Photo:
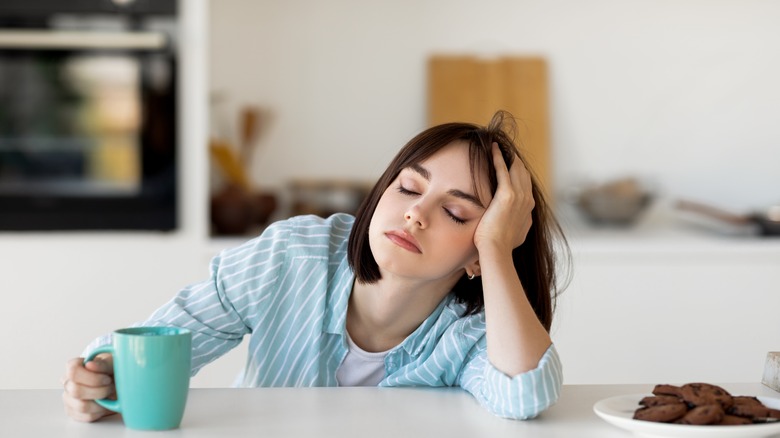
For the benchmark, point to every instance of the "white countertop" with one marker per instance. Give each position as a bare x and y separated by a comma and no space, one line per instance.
335,412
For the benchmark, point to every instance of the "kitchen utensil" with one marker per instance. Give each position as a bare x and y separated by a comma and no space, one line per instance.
767,222
229,162
619,202
231,210
470,88
250,118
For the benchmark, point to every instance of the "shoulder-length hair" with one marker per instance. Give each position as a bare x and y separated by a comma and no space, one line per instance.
534,260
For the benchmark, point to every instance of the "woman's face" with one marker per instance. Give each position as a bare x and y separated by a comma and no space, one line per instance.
423,226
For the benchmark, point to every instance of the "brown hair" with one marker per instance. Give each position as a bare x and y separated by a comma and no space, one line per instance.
534,260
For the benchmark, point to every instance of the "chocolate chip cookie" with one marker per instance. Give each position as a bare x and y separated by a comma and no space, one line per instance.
700,394
704,414
662,413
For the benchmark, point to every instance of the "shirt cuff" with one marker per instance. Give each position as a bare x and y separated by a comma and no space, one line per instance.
527,394
99,342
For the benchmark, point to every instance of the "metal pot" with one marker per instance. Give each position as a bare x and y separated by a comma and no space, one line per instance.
618,202
767,222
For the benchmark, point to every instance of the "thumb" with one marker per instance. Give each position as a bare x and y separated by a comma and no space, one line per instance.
102,363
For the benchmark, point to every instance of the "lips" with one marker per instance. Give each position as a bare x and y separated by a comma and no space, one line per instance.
404,240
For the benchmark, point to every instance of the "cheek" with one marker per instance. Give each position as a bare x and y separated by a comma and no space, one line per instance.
380,213
380,217
390,209
458,244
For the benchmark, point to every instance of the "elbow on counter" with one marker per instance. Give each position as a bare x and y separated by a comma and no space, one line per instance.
525,395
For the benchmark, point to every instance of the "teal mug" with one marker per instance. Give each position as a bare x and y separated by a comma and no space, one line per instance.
151,374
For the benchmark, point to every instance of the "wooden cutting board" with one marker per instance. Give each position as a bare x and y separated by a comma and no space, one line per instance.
471,89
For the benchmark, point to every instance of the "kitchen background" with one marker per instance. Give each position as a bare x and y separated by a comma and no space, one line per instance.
681,95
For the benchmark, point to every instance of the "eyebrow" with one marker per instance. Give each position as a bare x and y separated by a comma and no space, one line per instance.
423,172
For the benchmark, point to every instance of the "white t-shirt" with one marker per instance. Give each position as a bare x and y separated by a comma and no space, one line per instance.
360,367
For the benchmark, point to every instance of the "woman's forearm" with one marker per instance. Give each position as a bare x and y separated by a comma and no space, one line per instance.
516,339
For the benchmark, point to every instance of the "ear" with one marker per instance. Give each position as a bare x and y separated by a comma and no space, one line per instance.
473,268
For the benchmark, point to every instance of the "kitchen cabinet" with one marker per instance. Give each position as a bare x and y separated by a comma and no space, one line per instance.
668,305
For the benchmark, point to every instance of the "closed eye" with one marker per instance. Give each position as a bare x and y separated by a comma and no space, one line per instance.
402,190
454,218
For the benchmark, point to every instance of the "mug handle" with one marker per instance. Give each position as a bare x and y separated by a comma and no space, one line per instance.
112,405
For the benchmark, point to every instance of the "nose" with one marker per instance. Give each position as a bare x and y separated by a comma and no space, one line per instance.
416,216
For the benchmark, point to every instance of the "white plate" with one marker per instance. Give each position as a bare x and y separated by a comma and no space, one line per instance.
619,411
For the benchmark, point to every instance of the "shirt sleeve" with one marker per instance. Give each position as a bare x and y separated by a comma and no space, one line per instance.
521,397
220,310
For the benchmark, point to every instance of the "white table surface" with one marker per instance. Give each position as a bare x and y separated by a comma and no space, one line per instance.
335,412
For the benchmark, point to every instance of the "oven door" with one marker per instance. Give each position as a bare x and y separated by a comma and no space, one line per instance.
87,130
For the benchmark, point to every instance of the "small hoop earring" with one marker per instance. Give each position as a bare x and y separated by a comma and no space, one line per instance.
472,276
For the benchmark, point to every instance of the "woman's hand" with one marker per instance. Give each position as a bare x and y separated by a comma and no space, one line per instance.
507,219
85,383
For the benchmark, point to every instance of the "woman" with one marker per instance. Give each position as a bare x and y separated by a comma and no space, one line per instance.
445,277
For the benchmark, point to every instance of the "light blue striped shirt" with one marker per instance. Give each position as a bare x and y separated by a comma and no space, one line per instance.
288,290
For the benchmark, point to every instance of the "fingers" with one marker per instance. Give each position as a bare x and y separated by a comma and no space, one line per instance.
508,174
502,173
517,176
83,410
83,384
89,379
102,363
515,193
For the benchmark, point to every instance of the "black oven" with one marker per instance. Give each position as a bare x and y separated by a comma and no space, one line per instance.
88,117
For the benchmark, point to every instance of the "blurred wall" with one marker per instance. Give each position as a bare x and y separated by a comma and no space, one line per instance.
683,92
